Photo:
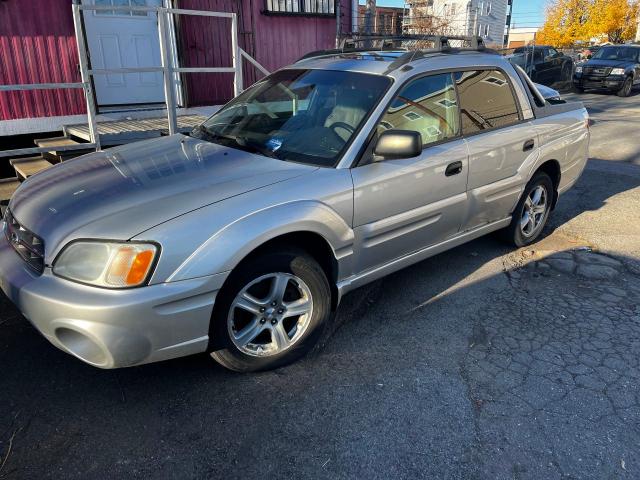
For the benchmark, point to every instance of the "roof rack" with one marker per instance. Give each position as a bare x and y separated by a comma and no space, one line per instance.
371,43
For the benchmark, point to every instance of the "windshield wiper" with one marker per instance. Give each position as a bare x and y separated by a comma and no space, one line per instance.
236,141
212,136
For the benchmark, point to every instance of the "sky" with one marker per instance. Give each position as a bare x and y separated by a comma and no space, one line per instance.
526,13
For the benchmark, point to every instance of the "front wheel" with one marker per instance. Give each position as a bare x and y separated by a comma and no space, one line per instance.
271,312
532,211
625,90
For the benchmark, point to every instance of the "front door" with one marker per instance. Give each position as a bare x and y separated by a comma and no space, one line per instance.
404,205
124,39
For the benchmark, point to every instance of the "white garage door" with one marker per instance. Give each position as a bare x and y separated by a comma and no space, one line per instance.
117,39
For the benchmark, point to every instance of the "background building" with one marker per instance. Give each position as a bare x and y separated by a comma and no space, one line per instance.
38,45
385,21
520,37
489,19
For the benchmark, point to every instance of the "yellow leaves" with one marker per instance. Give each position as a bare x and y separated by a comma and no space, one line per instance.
569,21
615,19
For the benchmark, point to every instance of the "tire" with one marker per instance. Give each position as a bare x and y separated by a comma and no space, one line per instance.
515,233
249,335
625,90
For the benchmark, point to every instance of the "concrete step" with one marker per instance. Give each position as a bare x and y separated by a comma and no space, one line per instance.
7,187
25,167
56,154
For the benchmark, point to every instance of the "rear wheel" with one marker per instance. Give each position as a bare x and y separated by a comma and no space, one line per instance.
271,312
625,90
532,211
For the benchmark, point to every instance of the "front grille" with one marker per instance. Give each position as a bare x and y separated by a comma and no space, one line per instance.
28,245
597,71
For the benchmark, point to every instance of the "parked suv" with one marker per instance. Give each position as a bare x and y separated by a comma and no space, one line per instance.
613,67
544,64
241,239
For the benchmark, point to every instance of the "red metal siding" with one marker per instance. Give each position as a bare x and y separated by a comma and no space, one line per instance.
37,45
281,40
206,42
274,41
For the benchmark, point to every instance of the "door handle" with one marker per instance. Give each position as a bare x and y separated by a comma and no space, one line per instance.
453,169
528,145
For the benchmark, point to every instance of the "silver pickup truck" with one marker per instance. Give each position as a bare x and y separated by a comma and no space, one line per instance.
240,239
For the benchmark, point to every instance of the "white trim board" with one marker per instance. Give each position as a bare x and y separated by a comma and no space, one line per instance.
23,126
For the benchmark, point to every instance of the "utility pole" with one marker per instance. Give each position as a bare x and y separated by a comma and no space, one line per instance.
475,20
338,22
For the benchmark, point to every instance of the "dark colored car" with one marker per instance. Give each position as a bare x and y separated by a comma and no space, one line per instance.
543,64
615,68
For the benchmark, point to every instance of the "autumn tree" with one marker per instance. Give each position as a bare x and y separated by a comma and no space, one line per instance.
570,21
565,22
615,19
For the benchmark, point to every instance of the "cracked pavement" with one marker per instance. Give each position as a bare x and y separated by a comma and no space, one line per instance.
480,363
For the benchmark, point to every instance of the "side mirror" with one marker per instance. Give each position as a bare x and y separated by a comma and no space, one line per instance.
394,144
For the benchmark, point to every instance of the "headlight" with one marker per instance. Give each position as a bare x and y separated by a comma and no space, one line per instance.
578,69
617,71
106,264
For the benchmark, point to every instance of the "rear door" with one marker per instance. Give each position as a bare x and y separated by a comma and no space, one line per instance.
499,144
401,206
543,65
555,60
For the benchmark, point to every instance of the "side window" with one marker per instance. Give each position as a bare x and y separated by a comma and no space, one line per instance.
486,100
427,105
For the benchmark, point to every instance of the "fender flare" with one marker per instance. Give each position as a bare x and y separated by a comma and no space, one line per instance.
229,245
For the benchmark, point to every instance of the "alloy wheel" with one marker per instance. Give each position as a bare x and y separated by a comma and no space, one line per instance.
534,211
270,314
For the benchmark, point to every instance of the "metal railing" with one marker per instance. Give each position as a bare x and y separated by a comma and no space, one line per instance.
167,68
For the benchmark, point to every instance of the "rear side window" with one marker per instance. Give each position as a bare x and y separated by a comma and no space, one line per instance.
486,100
427,105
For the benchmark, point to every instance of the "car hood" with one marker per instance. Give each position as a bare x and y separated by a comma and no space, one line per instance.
607,63
547,92
121,192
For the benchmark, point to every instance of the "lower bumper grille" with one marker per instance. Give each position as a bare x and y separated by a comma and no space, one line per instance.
597,71
28,245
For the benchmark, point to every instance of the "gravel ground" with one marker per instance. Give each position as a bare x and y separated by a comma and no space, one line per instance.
482,362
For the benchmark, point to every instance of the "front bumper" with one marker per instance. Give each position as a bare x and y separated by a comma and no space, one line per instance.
112,328
611,82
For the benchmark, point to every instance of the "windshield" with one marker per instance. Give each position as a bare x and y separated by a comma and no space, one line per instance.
617,53
307,116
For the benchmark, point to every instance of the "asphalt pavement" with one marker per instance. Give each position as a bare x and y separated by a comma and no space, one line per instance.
483,363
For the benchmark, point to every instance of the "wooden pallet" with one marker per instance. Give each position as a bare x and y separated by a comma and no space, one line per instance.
56,155
25,167
126,131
